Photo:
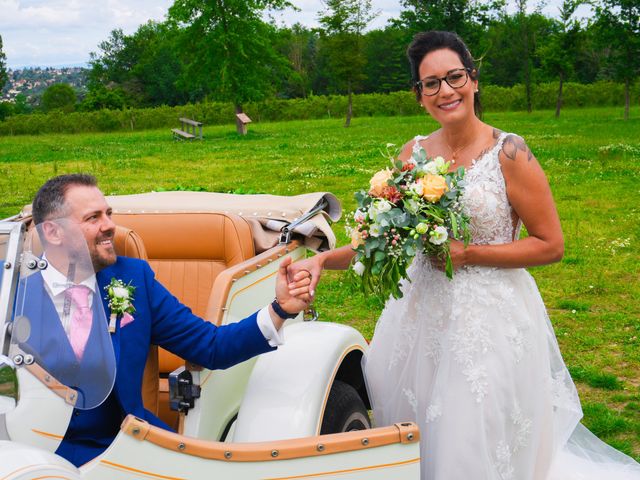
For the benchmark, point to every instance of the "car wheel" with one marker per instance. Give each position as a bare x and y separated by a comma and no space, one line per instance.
345,410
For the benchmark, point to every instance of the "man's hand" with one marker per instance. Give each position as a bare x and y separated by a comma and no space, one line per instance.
292,293
313,266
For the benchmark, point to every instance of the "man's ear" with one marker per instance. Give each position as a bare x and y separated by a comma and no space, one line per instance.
52,232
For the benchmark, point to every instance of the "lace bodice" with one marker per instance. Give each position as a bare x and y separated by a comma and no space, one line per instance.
485,198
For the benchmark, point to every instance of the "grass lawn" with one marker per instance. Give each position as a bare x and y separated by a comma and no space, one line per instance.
591,157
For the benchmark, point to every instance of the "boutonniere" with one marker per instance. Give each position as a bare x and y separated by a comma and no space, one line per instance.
120,298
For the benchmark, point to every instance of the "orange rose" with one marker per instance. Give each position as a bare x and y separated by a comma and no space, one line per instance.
356,238
433,187
379,182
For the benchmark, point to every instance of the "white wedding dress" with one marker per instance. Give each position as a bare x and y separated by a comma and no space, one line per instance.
475,363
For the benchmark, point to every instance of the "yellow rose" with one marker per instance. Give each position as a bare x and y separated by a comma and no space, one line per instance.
356,238
433,187
379,181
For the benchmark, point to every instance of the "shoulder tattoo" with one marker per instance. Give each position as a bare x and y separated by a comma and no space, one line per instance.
512,144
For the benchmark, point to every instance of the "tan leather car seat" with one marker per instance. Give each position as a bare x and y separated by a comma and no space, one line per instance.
187,251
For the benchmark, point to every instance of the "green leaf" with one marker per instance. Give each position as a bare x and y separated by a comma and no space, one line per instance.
454,224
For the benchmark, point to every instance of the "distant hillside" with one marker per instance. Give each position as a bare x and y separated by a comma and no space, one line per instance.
32,82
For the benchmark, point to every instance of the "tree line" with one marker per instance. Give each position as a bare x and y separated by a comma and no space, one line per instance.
224,50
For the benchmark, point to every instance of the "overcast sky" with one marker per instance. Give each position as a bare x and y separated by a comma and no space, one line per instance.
63,32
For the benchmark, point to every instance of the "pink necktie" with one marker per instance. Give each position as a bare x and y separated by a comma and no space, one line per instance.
81,319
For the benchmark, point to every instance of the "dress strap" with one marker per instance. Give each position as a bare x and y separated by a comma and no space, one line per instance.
416,143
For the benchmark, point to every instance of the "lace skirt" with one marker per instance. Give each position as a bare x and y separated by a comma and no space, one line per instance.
475,363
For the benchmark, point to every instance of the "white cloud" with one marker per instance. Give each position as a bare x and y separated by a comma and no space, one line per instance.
57,32
62,32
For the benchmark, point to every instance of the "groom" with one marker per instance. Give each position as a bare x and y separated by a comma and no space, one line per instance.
159,318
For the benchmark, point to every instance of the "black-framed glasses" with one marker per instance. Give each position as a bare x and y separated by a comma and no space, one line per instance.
457,78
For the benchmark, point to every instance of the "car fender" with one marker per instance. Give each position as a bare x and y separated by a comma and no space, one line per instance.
288,388
24,462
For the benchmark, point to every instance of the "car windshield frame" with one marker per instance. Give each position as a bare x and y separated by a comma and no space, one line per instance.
11,241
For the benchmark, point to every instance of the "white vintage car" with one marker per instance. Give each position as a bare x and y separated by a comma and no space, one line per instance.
298,412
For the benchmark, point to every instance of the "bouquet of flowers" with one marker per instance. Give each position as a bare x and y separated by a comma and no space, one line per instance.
412,206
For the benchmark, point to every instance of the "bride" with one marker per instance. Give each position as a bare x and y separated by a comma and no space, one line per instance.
474,361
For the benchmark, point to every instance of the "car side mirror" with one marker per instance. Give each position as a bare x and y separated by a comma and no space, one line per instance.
8,385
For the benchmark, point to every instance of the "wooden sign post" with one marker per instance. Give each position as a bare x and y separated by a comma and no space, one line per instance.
242,123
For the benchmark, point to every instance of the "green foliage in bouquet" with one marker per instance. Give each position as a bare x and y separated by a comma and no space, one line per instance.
414,206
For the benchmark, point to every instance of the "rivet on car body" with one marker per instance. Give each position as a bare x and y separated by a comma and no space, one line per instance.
47,378
320,447
135,431
18,359
227,455
247,272
409,436
365,441
274,453
7,265
181,446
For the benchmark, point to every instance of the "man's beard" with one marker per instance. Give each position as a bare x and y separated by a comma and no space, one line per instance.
103,260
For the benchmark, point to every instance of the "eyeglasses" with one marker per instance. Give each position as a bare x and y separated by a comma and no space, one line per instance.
457,78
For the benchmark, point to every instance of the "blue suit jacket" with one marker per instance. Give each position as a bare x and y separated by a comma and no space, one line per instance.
159,319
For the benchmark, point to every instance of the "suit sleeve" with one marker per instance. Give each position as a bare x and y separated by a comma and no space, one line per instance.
175,328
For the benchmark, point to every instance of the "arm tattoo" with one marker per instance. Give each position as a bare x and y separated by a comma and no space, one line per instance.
512,144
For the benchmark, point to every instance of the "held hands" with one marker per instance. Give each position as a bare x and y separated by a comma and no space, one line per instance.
292,291
313,266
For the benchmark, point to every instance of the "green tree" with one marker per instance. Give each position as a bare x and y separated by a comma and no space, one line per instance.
3,67
388,72
59,96
560,52
618,24
468,18
299,45
343,22
229,48
142,69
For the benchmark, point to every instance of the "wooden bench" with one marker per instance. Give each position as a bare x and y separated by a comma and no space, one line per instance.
188,130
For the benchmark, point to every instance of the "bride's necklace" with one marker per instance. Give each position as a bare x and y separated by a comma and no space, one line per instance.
454,153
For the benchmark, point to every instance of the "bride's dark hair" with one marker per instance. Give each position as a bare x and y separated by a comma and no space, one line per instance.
427,42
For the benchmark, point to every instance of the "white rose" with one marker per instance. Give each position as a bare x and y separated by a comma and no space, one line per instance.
358,267
438,235
372,212
382,206
441,165
120,292
431,168
416,188
374,230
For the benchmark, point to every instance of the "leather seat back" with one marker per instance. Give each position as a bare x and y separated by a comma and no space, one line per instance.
187,251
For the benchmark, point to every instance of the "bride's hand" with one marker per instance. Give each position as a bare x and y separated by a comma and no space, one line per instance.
313,265
458,256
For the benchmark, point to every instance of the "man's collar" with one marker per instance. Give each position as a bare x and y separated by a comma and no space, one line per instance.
57,283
